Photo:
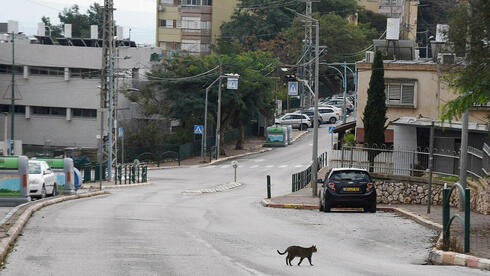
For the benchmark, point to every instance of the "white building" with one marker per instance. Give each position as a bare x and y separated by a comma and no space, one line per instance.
57,88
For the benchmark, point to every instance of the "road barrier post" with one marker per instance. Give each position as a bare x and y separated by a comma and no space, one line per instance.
268,186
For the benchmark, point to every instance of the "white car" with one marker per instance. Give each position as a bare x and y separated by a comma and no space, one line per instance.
42,180
328,114
300,121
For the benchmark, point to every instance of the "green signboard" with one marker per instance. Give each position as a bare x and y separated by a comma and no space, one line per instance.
54,163
9,163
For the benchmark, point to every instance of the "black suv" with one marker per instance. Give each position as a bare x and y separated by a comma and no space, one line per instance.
348,187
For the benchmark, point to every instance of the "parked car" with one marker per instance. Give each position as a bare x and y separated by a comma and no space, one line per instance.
348,187
327,114
311,114
42,180
300,121
339,103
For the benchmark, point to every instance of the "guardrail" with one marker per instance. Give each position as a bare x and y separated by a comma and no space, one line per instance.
131,174
302,179
124,174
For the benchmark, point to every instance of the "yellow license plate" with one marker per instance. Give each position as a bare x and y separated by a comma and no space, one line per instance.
351,189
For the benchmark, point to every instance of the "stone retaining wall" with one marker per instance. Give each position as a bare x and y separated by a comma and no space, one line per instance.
414,190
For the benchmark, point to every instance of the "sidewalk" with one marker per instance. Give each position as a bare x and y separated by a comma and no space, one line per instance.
250,146
479,229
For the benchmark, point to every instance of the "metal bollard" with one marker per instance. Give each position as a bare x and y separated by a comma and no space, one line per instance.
268,186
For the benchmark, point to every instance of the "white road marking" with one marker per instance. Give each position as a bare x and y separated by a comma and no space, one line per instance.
224,167
269,166
254,166
283,166
298,166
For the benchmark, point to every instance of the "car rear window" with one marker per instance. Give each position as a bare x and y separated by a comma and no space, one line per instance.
350,175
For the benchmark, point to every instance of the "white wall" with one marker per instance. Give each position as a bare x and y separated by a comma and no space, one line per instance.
404,142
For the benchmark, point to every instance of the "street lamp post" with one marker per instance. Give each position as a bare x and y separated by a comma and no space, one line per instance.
204,135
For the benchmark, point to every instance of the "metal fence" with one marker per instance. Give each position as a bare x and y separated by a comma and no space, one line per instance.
124,174
409,162
303,178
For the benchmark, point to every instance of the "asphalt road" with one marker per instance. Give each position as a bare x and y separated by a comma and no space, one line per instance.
160,230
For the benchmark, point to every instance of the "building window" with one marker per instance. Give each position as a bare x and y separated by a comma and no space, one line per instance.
5,108
167,2
57,111
44,110
86,113
40,110
8,69
400,92
163,23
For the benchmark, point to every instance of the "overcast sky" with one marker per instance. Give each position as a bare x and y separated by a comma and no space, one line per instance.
139,15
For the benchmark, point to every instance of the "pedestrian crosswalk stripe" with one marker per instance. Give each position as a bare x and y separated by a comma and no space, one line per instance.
254,166
283,166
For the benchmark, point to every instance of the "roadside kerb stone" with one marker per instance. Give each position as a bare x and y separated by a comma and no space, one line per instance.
238,156
268,203
95,186
215,189
14,231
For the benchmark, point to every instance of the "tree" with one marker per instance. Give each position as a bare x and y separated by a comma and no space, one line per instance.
374,116
53,30
184,100
469,32
373,20
80,22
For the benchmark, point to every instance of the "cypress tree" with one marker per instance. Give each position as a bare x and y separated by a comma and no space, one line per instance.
374,116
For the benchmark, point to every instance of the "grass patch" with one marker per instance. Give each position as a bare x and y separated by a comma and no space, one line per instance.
451,178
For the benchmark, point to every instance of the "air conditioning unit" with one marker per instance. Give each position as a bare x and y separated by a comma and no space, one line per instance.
160,8
369,56
446,58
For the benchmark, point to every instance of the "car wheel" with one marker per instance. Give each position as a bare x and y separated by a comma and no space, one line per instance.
372,208
320,122
321,206
43,192
304,127
333,120
326,208
55,190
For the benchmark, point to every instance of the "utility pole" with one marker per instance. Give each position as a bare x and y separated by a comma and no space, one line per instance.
218,122
107,52
12,101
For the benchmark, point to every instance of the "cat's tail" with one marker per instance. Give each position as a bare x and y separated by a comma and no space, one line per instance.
282,252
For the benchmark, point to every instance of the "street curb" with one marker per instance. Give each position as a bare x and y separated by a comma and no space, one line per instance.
14,231
119,186
436,256
215,189
268,203
301,135
238,156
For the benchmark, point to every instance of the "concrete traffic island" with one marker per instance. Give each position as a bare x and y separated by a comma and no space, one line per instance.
303,199
15,221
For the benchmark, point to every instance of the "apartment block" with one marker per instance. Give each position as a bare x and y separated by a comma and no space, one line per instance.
191,25
57,88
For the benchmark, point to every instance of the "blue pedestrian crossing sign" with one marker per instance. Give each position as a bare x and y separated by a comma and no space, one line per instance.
198,129
293,88
331,129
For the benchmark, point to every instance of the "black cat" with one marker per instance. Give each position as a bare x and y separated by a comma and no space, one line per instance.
298,251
